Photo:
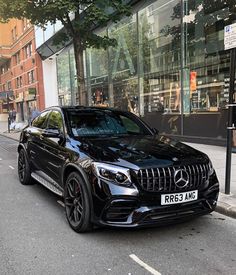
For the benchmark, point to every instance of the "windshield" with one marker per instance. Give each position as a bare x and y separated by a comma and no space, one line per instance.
104,122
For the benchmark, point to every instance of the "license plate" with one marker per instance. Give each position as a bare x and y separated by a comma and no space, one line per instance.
175,198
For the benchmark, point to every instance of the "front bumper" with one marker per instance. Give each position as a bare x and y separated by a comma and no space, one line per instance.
132,208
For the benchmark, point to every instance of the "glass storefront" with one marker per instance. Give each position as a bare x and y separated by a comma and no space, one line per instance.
160,52
66,77
208,64
169,67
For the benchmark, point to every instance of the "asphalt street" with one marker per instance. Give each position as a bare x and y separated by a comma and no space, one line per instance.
36,239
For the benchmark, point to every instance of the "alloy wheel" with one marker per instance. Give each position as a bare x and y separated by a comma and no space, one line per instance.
21,166
74,202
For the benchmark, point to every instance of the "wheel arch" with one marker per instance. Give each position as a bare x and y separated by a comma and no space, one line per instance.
75,168
22,146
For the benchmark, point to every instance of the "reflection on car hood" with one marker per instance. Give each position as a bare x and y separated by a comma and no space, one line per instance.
141,151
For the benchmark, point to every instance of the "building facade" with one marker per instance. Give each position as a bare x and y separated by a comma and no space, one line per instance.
169,67
21,79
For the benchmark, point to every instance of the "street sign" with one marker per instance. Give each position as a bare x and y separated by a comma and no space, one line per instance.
230,36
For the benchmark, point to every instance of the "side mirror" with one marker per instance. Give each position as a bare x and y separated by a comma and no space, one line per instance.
52,133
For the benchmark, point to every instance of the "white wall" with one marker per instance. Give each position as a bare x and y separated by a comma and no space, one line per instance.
50,82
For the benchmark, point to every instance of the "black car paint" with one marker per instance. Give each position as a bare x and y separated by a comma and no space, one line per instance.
56,158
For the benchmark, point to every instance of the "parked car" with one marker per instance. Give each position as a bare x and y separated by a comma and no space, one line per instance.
112,169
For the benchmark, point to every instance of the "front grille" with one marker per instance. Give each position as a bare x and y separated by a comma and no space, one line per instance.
162,179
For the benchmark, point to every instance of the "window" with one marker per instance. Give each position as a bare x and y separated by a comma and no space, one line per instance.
8,66
14,34
55,121
106,123
17,57
31,78
28,50
130,125
17,82
9,85
40,121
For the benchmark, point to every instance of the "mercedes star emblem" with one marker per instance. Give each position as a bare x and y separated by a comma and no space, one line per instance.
181,178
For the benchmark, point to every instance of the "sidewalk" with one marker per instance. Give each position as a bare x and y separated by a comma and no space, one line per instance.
226,204
14,134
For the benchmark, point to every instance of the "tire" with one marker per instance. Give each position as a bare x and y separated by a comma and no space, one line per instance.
24,172
77,205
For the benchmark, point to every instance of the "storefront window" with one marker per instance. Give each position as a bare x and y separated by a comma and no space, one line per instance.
206,59
64,78
123,65
208,66
169,66
73,78
160,44
98,75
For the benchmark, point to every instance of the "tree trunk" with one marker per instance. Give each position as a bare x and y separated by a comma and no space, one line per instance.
81,99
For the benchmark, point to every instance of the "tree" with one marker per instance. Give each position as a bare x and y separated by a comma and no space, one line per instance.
79,18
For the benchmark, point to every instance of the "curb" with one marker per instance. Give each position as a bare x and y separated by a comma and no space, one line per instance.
226,209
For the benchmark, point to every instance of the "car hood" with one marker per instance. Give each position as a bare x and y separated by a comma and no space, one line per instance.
141,151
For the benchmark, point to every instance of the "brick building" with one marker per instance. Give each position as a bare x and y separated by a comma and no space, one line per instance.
21,77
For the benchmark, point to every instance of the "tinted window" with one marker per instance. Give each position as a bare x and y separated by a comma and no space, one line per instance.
97,123
130,125
55,121
40,121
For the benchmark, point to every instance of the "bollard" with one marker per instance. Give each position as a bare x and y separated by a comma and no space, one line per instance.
9,123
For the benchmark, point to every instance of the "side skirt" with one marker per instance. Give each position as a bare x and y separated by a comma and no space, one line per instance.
54,187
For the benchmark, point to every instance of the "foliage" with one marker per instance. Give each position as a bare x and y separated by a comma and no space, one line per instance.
41,12
79,18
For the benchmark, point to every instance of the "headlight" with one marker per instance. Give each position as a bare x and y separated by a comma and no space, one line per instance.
113,173
211,169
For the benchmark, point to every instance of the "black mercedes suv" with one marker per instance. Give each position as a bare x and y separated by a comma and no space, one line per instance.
112,169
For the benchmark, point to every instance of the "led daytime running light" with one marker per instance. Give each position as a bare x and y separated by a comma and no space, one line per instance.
114,173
